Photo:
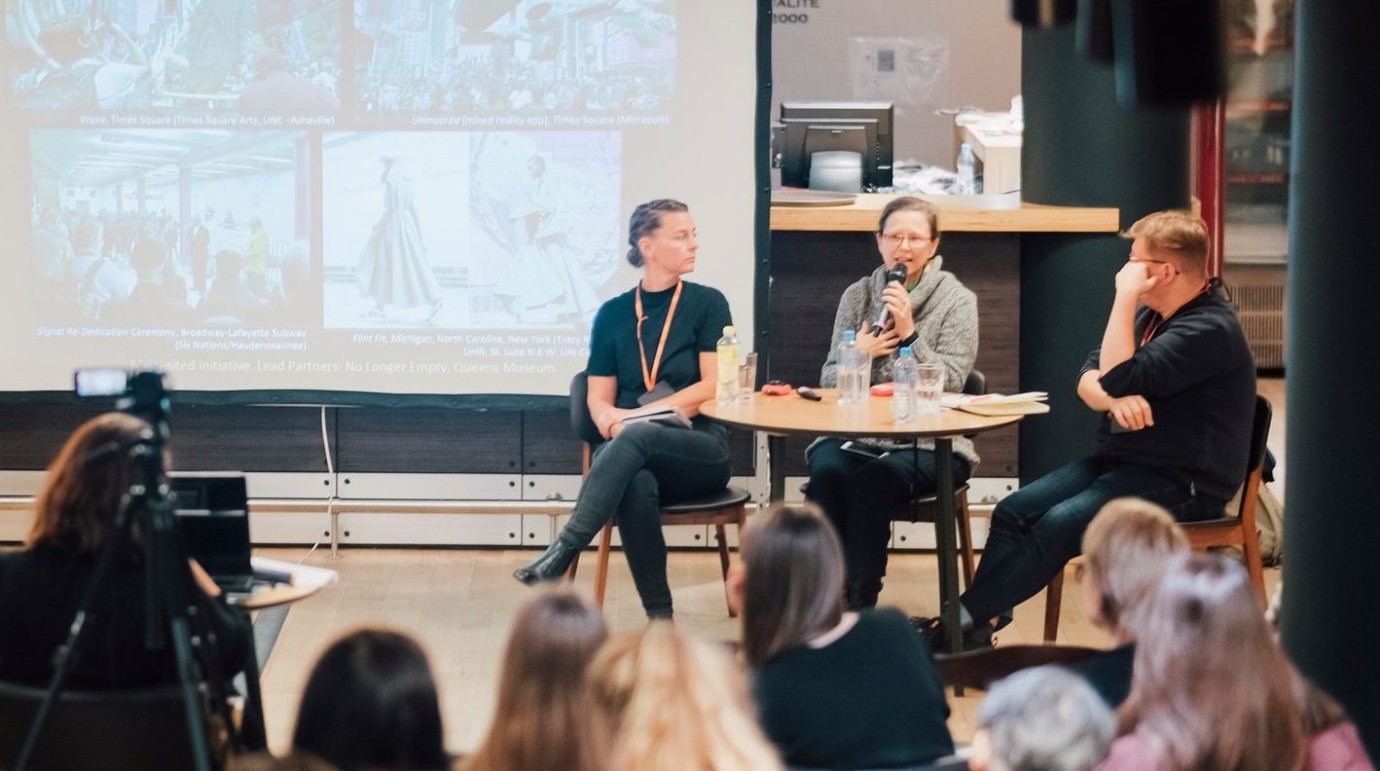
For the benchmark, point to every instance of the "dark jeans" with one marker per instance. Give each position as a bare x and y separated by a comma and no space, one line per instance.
1039,528
860,495
629,477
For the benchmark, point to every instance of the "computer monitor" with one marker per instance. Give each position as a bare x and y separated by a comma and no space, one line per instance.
812,127
213,515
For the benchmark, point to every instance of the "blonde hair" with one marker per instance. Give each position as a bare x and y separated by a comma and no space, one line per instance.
1127,548
1210,688
540,721
794,569
672,703
1175,233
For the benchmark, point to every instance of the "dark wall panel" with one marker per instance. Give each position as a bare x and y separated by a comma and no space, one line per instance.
423,441
288,439
32,434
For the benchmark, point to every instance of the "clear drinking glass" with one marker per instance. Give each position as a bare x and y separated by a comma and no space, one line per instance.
931,388
747,378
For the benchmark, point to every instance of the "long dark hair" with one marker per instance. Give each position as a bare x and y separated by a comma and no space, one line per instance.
86,482
645,219
793,580
371,704
542,717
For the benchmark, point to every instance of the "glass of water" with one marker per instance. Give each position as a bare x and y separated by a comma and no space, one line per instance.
931,387
747,378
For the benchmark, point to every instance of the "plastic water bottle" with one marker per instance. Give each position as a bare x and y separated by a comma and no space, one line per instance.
906,375
967,170
847,372
727,349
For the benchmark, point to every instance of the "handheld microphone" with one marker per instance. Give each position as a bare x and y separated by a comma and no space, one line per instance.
895,273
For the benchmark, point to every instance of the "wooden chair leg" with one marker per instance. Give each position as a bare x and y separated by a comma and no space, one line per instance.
601,570
1054,597
1250,537
573,569
965,540
723,565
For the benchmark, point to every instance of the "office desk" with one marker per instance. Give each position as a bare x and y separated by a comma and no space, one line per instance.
780,416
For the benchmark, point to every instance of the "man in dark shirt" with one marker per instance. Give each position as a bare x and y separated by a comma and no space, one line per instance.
1175,376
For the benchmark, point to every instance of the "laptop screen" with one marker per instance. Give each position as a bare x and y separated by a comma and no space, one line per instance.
213,513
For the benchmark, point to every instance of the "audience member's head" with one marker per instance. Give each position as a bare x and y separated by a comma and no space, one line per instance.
1126,550
789,585
1042,719
148,257
671,702
1211,688
371,703
229,266
77,507
541,720
1176,236
263,761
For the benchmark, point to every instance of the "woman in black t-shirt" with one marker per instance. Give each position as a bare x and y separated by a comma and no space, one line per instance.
651,346
834,688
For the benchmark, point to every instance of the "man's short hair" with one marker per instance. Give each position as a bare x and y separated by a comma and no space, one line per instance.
1175,233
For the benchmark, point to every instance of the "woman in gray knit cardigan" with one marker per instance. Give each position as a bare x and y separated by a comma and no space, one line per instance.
936,316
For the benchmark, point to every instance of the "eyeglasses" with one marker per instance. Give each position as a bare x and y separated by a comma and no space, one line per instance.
894,240
1132,258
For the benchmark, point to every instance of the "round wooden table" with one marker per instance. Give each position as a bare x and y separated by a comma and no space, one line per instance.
780,416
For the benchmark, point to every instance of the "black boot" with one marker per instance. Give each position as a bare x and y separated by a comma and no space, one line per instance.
550,566
862,594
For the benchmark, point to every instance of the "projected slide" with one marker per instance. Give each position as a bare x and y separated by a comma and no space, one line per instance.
386,196
169,228
505,58
461,230
184,59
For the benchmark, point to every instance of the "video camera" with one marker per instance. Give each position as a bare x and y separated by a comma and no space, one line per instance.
141,393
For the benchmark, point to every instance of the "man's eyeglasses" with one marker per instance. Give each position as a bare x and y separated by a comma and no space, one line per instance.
1132,258
896,239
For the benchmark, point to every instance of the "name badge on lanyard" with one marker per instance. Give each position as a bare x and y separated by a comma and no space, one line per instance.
649,374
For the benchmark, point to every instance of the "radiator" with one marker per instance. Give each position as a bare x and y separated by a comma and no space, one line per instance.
1258,294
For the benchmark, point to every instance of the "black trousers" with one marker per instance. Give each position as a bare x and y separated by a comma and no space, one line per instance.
860,495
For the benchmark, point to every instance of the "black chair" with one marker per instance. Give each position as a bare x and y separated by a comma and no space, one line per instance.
720,509
984,666
1239,530
109,730
926,507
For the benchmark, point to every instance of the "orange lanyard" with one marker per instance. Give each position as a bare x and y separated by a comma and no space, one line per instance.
649,375
1151,329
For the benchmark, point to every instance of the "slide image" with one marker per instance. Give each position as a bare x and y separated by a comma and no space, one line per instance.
236,57
506,56
496,230
171,228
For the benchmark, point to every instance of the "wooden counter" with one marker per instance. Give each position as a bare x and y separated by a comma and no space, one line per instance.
957,214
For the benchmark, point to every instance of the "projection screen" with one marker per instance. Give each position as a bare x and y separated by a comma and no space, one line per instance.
383,196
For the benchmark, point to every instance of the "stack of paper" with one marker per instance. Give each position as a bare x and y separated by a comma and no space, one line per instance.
1028,403
279,571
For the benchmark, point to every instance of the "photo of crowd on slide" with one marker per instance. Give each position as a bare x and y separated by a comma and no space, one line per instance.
184,57
497,230
167,229
505,56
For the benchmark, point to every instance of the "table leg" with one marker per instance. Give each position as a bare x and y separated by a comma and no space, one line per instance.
946,529
776,463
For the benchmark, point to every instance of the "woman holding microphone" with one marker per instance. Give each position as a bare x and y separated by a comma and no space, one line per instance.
933,314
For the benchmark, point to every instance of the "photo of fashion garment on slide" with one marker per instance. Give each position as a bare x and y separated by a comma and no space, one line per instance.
935,315
651,346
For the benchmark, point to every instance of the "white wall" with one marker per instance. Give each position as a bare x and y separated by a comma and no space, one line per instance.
947,54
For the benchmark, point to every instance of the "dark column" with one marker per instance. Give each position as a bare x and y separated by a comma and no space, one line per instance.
1330,619
1081,149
